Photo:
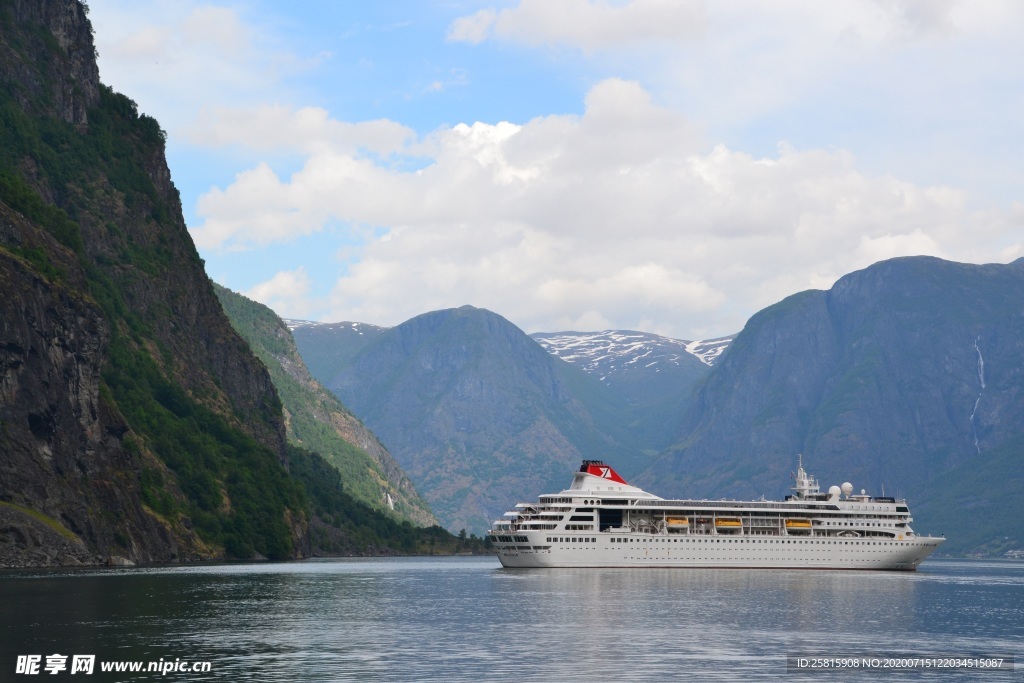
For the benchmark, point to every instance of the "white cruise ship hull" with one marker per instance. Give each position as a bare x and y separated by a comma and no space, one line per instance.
644,550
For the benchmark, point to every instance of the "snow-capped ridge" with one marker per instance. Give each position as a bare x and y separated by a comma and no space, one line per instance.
606,352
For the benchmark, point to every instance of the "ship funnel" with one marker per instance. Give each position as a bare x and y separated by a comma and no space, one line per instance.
597,468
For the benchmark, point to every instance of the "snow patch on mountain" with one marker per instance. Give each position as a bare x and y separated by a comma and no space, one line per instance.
708,350
355,327
606,352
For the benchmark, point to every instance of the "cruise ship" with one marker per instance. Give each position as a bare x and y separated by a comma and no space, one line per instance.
601,521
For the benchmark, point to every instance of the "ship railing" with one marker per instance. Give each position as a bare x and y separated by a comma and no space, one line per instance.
738,505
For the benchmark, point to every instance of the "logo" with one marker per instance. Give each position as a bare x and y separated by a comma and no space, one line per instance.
604,472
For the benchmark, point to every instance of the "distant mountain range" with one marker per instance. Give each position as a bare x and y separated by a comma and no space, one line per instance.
907,376
476,411
651,375
630,387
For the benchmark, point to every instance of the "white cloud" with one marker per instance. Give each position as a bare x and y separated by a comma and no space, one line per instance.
174,57
664,206
900,80
605,25
286,293
872,249
307,129
474,28
259,205
621,215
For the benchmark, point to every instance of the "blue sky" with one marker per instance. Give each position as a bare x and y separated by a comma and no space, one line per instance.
665,165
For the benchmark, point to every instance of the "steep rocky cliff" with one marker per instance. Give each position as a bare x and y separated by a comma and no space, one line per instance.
136,423
48,60
72,490
905,375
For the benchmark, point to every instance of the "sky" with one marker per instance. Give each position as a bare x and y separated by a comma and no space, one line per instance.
670,166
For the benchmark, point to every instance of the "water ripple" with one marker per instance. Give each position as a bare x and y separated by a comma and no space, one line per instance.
461,619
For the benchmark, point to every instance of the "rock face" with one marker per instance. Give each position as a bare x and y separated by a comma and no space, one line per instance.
114,351
61,453
74,83
899,376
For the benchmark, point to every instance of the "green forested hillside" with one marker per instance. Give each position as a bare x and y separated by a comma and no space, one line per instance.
316,420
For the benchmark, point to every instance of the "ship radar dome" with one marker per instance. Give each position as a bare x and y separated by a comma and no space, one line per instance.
833,491
847,488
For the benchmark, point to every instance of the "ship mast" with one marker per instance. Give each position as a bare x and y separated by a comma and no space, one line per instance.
806,485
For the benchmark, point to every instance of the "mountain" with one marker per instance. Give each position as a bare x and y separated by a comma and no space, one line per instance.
111,332
478,413
906,375
135,424
651,374
315,419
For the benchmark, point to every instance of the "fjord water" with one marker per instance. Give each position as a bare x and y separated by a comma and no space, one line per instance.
434,619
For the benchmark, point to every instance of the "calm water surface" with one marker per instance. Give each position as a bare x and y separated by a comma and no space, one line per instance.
455,619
